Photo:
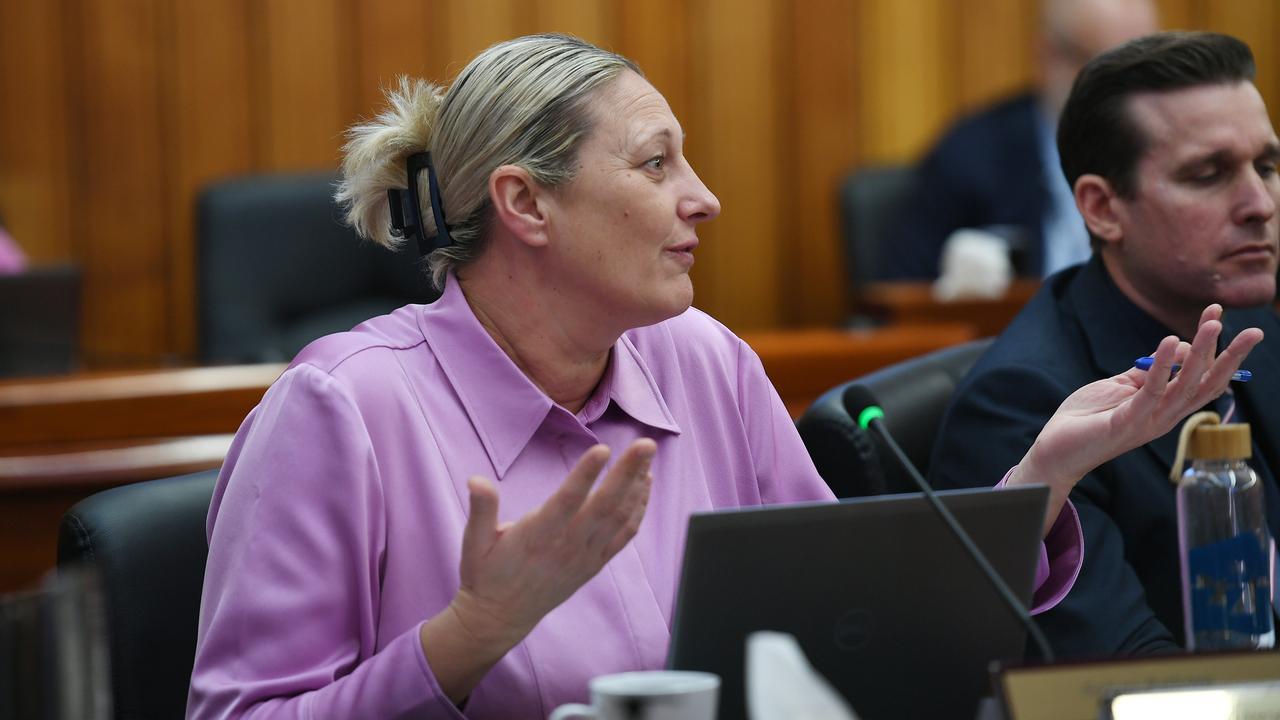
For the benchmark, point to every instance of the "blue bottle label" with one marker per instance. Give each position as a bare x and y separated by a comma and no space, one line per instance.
1230,587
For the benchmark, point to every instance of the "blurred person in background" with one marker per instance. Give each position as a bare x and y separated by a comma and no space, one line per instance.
998,170
12,261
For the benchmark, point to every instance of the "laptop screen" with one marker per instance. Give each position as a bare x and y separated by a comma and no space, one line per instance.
882,599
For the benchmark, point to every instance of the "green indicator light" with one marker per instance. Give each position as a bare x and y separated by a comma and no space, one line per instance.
868,414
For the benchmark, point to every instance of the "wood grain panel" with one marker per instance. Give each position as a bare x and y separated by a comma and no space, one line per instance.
657,36
392,39
591,20
476,24
819,120
905,59
1180,14
124,235
996,49
1253,21
114,112
803,364
208,94
308,90
737,277
167,403
909,303
35,155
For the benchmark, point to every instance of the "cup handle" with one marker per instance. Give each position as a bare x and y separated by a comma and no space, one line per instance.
572,710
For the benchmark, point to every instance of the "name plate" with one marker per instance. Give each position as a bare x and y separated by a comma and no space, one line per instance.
1085,690
1249,701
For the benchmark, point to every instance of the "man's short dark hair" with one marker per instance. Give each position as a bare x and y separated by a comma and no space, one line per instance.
1097,134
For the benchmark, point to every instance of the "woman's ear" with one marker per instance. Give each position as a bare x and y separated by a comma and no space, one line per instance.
1100,206
516,206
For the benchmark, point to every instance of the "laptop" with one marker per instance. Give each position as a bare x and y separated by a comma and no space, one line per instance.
39,321
882,599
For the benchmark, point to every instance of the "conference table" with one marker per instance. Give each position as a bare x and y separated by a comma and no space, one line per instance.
911,303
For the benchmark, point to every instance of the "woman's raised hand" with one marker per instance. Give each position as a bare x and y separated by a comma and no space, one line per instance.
1109,417
512,574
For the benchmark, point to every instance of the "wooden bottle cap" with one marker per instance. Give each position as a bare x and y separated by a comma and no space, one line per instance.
1221,442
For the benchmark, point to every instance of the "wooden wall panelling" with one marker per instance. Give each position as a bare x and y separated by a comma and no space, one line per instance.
309,94
1180,14
474,25
1255,22
120,183
996,49
35,152
657,36
208,91
742,160
905,58
591,20
114,112
394,39
818,116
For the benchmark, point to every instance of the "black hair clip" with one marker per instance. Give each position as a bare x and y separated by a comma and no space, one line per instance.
408,224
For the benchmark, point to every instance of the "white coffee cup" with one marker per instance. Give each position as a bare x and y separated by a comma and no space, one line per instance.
648,695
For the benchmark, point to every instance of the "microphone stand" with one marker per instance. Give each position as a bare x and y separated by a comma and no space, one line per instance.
1002,588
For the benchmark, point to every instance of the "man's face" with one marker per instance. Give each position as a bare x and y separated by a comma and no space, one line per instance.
1202,224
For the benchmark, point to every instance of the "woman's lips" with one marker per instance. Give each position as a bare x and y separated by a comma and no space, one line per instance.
684,256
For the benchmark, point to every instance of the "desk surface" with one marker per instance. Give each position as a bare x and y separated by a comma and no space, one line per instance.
49,411
910,303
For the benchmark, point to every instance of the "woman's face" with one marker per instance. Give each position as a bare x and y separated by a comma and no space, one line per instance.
623,230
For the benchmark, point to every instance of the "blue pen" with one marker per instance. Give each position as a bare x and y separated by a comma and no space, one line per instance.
1144,363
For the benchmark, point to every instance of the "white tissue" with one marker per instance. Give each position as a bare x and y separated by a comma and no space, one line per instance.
975,264
782,685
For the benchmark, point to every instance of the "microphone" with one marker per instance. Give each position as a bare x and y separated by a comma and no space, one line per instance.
870,415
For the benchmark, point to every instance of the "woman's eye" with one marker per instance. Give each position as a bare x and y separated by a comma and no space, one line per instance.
656,162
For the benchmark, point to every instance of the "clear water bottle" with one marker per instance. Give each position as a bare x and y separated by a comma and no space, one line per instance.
1225,544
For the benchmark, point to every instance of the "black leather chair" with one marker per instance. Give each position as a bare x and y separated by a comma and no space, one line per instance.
40,321
914,395
870,199
277,268
146,542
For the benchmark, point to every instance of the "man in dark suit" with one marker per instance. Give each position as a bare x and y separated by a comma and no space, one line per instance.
1172,158
998,169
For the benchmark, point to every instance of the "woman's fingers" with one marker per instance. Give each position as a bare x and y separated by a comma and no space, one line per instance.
621,478
482,523
1219,374
1211,312
613,506
629,529
567,500
1199,358
1153,382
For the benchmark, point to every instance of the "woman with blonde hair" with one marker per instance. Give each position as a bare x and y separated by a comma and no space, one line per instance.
360,563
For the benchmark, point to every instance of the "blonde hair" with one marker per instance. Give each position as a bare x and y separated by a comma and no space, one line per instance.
522,102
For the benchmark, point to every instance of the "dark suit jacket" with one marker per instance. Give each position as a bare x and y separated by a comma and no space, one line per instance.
986,170
1077,329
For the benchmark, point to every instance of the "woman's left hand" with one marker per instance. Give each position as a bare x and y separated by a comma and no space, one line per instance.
1107,418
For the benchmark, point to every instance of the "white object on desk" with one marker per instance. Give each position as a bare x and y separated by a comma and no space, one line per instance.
974,264
782,685
648,695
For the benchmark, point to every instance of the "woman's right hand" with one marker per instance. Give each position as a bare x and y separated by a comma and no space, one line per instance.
512,574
